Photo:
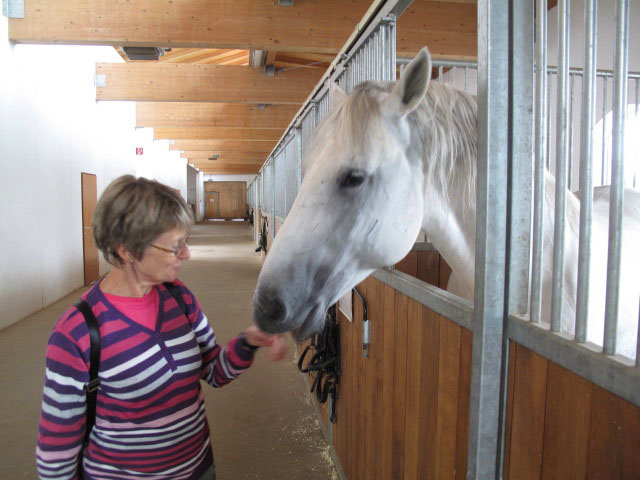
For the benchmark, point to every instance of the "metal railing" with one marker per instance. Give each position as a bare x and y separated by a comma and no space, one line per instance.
515,148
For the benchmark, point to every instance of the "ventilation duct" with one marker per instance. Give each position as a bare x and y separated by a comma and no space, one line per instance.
144,53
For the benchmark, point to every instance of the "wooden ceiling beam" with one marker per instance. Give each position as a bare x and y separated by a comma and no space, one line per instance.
447,28
312,25
240,157
232,115
230,169
218,133
224,161
185,82
203,55
223,145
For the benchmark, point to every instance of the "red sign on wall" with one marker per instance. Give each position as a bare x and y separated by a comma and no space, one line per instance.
139,151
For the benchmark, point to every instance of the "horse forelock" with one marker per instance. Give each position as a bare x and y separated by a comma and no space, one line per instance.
355,123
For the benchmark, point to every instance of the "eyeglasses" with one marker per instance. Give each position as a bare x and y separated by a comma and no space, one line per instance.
176,251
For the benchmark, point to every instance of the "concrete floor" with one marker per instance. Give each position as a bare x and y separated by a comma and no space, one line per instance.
263,424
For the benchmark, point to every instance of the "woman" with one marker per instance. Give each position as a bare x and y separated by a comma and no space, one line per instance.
150,420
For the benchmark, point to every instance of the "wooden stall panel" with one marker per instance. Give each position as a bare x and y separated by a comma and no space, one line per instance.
560,425
426,265
401,412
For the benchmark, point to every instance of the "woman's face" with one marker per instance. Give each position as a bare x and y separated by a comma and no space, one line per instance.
159,263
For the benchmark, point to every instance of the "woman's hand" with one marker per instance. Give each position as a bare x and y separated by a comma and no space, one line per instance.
276,343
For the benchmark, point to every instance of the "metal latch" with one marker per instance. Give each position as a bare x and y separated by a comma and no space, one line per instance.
13,8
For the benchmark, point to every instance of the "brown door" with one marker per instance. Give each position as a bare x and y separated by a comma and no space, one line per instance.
89,199
212,200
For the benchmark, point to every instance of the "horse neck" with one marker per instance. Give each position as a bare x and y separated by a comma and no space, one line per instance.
445,125
451,229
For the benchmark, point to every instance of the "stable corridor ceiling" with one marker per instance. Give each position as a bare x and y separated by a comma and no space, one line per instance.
234,72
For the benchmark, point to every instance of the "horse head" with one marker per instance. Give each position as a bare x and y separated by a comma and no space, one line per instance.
359,208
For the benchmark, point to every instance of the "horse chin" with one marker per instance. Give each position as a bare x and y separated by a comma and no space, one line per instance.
311,325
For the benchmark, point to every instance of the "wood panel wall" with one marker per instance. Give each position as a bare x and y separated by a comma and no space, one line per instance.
232,198
403,413
560,425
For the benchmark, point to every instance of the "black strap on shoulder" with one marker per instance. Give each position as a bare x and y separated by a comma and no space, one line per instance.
94,365
175,293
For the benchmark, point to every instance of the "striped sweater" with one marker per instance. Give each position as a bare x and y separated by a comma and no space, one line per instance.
150,418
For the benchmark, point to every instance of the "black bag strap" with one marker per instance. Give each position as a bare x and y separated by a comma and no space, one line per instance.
94,365
173,290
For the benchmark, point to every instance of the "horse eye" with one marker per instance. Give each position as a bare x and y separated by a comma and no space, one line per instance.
352,178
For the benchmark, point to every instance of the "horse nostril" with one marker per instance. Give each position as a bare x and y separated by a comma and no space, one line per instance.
269,311
273,309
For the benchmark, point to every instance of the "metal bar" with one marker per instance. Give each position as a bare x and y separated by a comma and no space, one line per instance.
603,175
637,165
442,62
486,406
548,103
466,70
586,167
570,153
557,290
599,73
540,158
391,63
638,340
521,158
614,373
440,301
616,196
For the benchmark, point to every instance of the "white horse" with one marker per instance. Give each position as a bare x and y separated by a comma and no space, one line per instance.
389,161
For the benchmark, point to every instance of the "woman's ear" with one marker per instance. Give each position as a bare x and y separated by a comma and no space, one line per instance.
412,86
125,255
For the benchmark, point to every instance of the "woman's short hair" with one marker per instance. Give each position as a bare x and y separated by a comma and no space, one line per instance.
133,212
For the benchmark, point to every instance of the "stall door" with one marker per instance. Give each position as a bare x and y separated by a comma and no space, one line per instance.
212,200
89,199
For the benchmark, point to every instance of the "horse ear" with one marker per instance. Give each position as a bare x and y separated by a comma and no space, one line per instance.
336,94
412,86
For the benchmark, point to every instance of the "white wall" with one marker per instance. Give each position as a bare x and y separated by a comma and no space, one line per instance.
199,197
51,130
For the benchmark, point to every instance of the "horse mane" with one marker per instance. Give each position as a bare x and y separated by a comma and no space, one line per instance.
444,124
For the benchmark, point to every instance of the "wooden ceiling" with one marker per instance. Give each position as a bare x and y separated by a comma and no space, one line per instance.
210,92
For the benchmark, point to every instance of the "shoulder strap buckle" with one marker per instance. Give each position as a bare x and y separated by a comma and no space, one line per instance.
92,386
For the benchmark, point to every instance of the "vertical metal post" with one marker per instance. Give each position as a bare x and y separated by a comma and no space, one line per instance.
572,79
493,135
273,197
586,167
298,157
548,102
637,165
540,158
616,205
521,164
557,289
603,175
638,338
